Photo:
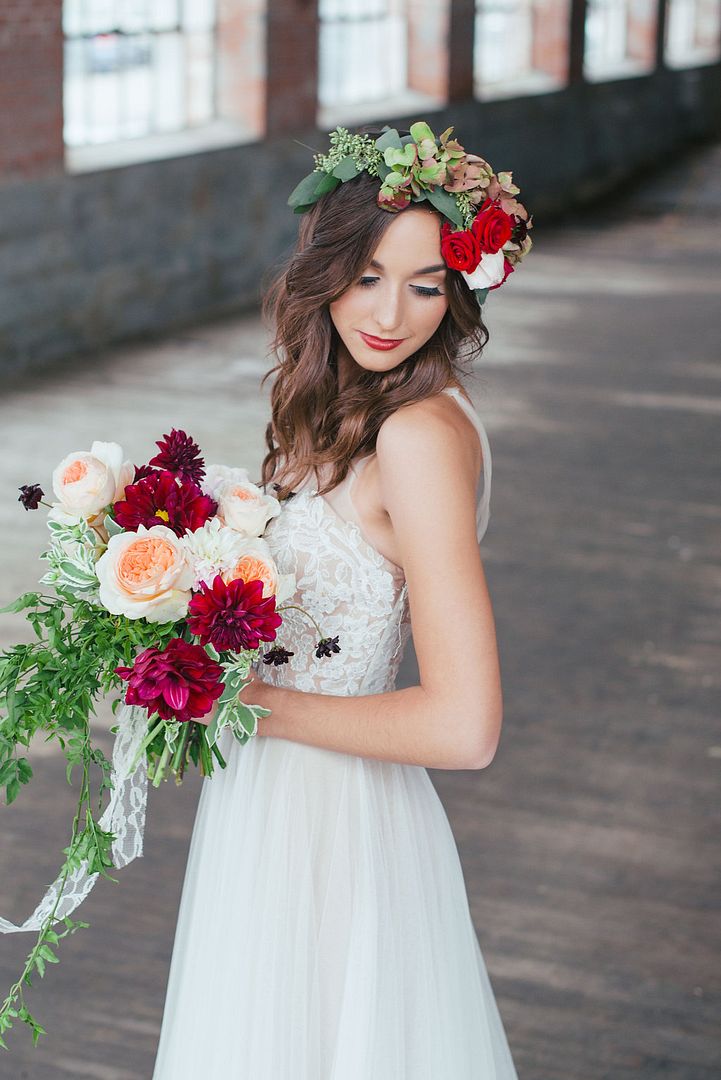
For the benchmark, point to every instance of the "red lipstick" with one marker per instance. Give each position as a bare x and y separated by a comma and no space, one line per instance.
383,344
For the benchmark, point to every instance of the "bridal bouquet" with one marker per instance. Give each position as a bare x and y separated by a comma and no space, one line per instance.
163,590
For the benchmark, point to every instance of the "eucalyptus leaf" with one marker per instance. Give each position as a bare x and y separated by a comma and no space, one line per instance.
443,200
389,138
304,193
346,169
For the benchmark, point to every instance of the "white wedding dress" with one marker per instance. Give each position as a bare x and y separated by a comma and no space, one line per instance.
324,931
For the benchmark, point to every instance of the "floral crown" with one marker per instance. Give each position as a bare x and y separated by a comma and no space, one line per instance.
485,234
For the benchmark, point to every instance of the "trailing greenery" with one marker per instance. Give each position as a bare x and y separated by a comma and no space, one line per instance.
52,685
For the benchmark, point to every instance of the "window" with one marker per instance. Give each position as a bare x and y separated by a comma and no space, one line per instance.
520,46
137,67
620,38
362,51
692,32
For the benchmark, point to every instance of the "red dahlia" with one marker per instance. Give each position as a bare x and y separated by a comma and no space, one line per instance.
180,455
179,683
233,616
160,498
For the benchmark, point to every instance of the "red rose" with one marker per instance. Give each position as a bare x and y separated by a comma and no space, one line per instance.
179,683
492,227
460,249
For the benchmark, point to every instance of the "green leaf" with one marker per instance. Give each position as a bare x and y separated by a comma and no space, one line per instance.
389,138
421,131
310,188
24,770
111,526
28,599
403,157
443,200
481,294
346,169
11,791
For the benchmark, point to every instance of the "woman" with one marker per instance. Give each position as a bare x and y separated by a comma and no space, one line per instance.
324,931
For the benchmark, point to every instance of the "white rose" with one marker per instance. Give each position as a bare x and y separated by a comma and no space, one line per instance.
145,575
217,475
86,482
257,563
489,271
243,506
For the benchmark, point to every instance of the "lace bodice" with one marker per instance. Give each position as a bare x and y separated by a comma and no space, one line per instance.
349,588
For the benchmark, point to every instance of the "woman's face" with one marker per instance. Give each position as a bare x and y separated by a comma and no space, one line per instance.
400,297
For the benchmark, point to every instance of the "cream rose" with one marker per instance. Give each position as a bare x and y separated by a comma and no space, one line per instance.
256,562
217,475
243,506
490,271
145,575
86,482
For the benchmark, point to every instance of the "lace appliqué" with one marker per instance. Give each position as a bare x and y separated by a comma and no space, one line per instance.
350,589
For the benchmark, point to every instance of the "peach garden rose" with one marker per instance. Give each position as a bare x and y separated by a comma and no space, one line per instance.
145,574
256,562
86,482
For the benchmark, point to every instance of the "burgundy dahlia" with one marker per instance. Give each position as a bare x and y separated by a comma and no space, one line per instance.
179,454
179,683
161,499
233,616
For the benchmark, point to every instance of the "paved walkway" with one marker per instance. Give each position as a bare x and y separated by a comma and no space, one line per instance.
590,845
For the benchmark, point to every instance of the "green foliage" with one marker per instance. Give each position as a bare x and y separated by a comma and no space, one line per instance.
52,685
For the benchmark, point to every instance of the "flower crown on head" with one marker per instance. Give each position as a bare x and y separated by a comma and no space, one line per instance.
485,234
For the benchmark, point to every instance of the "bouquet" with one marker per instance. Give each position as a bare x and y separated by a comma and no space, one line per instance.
163,591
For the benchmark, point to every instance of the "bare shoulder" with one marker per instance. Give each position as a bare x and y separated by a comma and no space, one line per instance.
432,434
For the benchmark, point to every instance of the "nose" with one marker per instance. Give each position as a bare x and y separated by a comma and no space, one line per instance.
388,310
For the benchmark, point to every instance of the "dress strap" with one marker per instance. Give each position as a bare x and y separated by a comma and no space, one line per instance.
483,490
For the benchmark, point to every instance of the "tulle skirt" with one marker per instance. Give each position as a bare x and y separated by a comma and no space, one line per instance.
324,931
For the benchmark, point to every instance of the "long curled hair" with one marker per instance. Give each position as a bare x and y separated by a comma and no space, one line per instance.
311,422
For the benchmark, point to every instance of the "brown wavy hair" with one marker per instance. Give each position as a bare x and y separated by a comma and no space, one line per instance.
311,423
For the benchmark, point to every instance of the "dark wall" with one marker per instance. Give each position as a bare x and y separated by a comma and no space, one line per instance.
91,259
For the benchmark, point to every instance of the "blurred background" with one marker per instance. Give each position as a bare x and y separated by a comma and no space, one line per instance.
147,150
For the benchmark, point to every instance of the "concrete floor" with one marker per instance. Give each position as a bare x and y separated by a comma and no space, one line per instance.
590,845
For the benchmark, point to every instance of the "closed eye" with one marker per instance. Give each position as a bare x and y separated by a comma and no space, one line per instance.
368,282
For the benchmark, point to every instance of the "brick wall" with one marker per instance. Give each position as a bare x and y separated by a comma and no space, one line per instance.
31,74
98,257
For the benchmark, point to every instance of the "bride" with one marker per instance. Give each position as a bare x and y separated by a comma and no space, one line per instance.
324,931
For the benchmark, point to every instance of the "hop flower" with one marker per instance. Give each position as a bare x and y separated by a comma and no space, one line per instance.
326,646
179,454
30,496
233,616
161,499
277,656
180,682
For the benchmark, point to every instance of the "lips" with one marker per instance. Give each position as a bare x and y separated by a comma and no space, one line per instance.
383,344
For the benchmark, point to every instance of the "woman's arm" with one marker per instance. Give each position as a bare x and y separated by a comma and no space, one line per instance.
452,720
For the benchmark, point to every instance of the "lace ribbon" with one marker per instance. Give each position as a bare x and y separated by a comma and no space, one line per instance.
124,816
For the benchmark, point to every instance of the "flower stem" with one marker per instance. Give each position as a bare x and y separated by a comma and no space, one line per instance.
286,607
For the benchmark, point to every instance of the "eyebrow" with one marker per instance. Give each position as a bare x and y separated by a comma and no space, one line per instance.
424,270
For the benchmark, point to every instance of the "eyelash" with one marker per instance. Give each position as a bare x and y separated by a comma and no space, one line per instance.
368,282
